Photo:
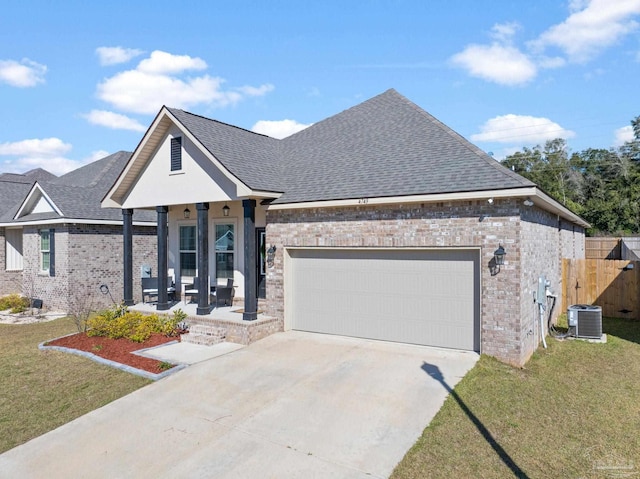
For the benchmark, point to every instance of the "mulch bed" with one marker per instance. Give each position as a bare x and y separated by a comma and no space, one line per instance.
117,350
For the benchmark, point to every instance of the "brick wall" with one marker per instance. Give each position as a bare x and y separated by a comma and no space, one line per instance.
53,291
505,297
86,256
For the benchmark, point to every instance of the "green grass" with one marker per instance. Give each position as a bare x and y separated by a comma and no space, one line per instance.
571,412
41,390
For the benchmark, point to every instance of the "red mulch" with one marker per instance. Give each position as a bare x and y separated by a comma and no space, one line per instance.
118,350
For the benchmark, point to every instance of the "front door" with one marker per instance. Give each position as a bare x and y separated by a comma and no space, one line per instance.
261,263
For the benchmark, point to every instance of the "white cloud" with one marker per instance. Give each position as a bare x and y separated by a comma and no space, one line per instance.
592,26
162,63
279,129
47,153
114,120
35,147
623,135
25,73
44,153
115,55
502,64
504,32
155,82
520,129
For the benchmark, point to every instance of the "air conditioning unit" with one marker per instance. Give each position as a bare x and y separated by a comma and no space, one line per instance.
585,320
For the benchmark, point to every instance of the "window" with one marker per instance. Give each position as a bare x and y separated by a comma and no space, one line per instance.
13,249
47,254
225,248
176,153
188,250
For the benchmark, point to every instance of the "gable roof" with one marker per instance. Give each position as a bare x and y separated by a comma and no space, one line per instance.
75,195
14,187
251,157
386,146
384,149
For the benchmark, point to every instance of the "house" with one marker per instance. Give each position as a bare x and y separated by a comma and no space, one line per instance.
379,222
59,245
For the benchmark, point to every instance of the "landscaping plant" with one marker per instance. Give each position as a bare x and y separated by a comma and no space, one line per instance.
15,303
118,322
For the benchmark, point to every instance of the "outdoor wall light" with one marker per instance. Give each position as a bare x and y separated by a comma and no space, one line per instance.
490,201
527,202
225,210
271,254
499,255
497,260
628,267
186,213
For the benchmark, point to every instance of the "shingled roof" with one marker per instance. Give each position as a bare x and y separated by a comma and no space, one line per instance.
77,194
386,146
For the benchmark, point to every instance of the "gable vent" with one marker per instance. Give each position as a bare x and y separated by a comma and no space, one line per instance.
176,153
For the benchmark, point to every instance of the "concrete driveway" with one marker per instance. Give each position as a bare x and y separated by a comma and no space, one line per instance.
291,405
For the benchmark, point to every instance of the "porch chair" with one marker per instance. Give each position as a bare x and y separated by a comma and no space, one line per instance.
150,288
224,293
191,290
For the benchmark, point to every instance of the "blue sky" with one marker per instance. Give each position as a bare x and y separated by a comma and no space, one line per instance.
79,80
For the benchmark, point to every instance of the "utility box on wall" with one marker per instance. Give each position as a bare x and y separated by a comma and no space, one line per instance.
145,271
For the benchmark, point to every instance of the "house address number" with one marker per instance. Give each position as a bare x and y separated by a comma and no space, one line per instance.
363,201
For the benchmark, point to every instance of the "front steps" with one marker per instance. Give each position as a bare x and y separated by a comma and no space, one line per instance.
204,334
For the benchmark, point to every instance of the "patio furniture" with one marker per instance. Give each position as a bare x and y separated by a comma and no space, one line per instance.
224,293
150,288
191,290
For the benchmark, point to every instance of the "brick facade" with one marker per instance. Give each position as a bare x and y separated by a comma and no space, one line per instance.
533,241
86,256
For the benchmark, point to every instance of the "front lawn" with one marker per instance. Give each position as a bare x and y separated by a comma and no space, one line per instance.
573,411
41,390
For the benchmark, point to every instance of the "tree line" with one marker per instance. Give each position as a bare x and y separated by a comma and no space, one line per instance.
600,185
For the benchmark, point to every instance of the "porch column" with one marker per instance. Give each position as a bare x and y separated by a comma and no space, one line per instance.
163,297
203,258
250,298
127,235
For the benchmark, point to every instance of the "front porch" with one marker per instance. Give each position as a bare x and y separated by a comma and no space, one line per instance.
228,318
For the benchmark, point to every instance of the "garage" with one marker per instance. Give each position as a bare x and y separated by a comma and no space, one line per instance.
418,296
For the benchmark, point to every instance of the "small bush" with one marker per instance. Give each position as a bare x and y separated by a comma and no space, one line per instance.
15,303
118,322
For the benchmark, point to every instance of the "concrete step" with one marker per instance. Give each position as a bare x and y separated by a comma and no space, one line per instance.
204,334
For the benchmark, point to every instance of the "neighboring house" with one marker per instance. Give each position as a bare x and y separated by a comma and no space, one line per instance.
379,222
59,245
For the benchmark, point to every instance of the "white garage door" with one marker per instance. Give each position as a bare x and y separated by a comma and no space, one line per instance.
428,297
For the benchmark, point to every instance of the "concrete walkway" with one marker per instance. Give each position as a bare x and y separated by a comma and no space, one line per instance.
291,405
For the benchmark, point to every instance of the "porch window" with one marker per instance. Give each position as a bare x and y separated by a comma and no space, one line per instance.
225,249
187,250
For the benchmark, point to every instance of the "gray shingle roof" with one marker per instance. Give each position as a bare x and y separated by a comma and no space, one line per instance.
251,157
77,194
386,146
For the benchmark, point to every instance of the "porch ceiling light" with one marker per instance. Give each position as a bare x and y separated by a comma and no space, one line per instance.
225,210
186,213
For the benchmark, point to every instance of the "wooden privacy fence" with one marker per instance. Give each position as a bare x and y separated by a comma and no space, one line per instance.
610,284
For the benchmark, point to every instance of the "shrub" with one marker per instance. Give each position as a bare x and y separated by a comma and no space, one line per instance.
118,322
15,303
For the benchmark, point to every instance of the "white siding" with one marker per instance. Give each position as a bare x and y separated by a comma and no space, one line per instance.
13,242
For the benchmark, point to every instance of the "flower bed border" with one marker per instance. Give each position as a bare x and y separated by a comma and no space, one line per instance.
114,364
